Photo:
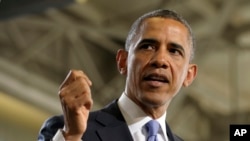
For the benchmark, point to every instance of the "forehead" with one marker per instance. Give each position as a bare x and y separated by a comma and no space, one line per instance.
158,26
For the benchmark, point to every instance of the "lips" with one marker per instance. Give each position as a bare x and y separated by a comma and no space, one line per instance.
156,77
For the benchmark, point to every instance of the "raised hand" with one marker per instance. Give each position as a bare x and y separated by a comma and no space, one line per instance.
76,101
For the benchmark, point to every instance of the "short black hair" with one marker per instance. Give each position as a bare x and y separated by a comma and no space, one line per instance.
162,13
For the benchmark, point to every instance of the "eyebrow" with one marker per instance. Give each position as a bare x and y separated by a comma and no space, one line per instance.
177,46
152,41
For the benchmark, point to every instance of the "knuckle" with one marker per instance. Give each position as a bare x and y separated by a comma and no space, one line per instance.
61,92
73,72
82,81
77,73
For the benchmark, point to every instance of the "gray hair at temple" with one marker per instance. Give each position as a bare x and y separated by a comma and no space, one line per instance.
163,13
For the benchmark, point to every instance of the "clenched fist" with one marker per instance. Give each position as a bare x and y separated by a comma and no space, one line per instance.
76,101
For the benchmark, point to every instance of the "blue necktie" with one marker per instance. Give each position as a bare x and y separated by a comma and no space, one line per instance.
152,129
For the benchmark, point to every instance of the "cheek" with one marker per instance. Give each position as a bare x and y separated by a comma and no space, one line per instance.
178,73
182,73
135,69
136,64
132,68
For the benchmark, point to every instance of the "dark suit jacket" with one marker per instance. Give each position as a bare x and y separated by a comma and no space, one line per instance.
106,124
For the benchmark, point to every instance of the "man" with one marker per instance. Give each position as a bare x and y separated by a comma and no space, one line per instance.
156,62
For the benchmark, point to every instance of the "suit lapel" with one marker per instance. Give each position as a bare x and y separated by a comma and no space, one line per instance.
117,133
169,133
171,136
115,127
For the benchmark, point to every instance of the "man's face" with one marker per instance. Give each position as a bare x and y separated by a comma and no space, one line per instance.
157,63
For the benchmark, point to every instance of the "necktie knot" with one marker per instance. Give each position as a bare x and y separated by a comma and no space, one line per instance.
152,129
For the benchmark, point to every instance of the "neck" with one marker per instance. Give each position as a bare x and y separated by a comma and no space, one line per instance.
152,110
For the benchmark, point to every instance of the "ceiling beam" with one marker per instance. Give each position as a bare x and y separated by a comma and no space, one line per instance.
29,87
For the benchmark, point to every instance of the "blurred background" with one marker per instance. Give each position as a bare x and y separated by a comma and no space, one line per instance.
40,41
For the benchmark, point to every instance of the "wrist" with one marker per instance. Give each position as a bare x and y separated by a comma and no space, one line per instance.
71,137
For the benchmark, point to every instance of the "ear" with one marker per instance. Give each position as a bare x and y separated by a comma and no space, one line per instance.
121,60
191,74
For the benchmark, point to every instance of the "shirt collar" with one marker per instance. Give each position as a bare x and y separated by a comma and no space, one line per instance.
135,117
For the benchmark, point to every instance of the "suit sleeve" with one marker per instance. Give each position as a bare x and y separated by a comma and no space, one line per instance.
50,127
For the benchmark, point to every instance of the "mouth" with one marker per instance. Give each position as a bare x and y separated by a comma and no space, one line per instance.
154,77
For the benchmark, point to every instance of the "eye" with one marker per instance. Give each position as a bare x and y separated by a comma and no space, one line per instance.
148,44
175,51
147,47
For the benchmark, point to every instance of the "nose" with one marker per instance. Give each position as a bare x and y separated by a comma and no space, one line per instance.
160,59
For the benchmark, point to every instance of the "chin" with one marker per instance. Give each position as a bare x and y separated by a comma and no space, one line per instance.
152,101
157,99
